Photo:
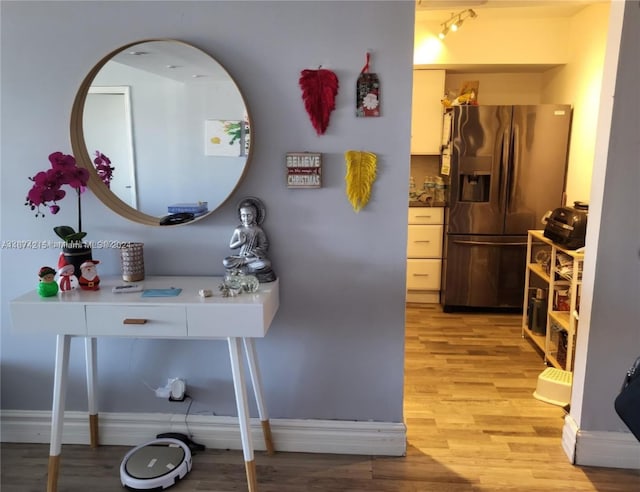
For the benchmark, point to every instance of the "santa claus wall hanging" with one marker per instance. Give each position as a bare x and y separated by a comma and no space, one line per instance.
367,92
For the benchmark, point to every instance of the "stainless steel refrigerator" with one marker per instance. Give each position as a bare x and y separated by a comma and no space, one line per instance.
507,169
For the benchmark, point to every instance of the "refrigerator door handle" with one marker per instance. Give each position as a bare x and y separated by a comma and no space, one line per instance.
514,166
504,166
490,243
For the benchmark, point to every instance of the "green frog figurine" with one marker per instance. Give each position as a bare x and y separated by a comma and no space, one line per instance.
47,287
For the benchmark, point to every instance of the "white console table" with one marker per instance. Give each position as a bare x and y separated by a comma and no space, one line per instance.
95,314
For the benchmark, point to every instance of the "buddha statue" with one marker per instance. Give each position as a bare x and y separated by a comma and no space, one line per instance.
251,241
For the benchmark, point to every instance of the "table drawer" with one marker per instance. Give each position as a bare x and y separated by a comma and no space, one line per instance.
424,241
426,215
49,316
423,274
137,321
227,321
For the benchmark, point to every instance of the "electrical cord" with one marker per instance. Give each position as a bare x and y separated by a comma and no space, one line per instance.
186,438
153,390
186,414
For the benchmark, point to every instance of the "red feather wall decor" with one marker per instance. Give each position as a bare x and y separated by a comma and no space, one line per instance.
319,89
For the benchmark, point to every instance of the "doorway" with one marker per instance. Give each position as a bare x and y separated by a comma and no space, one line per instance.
107,128
587,101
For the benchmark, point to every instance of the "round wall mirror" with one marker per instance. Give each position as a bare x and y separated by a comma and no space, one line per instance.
172,122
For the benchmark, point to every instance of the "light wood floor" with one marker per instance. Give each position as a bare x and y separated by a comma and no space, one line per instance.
473,425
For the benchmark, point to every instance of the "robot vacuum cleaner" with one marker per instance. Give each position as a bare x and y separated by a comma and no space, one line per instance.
158,464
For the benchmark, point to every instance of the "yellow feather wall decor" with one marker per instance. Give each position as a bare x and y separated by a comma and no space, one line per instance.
361,173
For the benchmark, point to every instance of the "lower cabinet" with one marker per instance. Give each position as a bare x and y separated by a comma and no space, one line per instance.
424,254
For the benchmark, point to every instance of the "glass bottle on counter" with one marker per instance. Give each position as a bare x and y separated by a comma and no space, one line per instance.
428,187
439,193
412,189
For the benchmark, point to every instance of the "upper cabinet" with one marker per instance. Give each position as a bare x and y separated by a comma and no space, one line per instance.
426,111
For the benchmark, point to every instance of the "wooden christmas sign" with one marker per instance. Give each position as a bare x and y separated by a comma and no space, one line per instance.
304,169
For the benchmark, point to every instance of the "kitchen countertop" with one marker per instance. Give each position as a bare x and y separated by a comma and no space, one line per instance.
417,203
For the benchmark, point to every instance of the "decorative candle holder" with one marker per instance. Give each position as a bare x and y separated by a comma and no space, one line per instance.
132,260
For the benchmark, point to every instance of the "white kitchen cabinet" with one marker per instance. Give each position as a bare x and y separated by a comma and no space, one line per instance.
426,111
424,254
424,241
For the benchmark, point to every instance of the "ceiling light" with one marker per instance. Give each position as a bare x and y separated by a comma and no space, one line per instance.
454,22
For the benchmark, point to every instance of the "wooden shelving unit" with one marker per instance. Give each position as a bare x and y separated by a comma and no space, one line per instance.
551,267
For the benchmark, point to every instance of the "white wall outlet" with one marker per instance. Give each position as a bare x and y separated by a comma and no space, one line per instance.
177,387
175,390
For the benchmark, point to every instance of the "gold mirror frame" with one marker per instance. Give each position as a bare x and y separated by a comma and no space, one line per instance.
83,159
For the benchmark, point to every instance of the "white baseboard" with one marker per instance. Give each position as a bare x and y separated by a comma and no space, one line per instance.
569,437
132,429
598,448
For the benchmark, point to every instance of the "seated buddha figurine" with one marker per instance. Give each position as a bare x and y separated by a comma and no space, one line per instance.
251,241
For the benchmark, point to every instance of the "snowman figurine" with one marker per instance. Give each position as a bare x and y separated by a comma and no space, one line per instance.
66,279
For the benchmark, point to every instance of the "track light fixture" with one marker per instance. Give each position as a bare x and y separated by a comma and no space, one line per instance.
454,22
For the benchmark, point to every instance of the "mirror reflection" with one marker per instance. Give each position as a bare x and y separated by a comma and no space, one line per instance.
173,123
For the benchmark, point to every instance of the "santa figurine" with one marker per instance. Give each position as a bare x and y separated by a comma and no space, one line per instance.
66,275
89,279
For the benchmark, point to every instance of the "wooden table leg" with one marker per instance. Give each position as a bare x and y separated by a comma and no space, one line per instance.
90,351
52,474
235,353
63,343
256,381
94,432
252,478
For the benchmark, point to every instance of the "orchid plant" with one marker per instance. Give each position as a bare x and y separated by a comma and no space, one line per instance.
47,189
104,168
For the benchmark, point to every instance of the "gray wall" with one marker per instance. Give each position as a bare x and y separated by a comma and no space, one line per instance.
335,349
614,336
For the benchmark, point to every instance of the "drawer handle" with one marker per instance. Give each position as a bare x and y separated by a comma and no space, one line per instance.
423,241
134,321
423,216
420,274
